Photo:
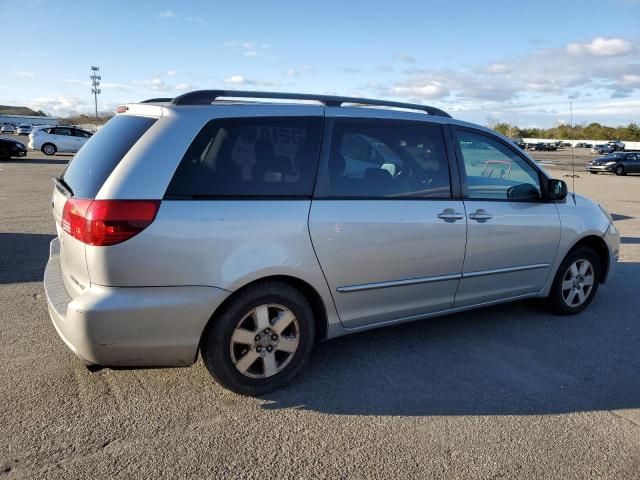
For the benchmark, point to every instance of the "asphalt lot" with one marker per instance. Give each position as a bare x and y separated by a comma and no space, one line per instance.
505,392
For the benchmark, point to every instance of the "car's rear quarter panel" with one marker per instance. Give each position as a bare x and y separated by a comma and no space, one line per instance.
218,243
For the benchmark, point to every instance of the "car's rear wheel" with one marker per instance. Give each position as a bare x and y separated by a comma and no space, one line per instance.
260,340
49,149
576,282
4,155
620,170
594,173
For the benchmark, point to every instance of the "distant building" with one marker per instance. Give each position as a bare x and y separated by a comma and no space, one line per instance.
17,115
30,119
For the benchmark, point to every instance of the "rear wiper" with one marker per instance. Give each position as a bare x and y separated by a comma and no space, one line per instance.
63,186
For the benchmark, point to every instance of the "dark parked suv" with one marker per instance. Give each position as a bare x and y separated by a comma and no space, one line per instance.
619,163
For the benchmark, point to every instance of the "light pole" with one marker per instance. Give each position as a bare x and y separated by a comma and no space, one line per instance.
95,84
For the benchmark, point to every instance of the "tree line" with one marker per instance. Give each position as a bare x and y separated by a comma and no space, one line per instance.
592,131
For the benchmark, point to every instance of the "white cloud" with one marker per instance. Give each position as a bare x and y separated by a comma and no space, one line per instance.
60,105
292,73
172,73
199,20
242,80
498,68
631,80
123,87
350,70
403,57
235,79
427,89
156,85
167,14
602,47
544,72
75,81
250,48
24,74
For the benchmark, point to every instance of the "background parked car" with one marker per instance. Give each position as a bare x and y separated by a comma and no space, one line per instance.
58,139
23,129
7,128
11,148
543,147
619,163
520,143
617,145
602,149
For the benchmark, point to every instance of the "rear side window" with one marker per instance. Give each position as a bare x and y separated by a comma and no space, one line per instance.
97,158
60,131
386,159
250,157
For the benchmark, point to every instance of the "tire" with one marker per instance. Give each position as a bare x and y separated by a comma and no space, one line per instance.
591,171
4,155
244,366
560,297
620,170
49,149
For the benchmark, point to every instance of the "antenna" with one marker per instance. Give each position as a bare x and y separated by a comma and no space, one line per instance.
573,165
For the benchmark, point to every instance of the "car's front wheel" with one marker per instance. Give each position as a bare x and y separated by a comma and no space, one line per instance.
260,340
620,170
576,282
49,149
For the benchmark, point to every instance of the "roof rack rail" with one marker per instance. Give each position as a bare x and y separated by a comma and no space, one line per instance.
157,100
206,97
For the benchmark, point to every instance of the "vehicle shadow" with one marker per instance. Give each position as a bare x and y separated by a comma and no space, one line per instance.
512,359
23,256
630,240
38,161
618,217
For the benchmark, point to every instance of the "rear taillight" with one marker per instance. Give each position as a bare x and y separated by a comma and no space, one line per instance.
107,222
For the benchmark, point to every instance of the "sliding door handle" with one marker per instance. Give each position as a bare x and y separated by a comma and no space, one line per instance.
450,215
480,215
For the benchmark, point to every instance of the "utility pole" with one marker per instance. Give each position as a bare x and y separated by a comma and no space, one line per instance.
95,84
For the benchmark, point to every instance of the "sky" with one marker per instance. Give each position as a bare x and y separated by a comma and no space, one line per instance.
483,61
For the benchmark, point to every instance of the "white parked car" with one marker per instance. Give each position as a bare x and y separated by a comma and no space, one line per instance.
7,128
23,129
58,139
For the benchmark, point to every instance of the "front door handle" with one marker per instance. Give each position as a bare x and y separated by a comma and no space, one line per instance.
450,215
480,215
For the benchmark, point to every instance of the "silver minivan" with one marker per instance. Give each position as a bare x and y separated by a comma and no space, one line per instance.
246,229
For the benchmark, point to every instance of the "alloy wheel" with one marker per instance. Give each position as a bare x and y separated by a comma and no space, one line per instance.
264,341
577,283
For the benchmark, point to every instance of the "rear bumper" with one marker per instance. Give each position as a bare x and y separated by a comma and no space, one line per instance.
140,326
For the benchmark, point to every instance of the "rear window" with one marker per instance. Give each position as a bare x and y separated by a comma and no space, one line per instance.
250,157
95,161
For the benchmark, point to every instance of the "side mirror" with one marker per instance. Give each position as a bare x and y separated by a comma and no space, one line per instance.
524,191
557,189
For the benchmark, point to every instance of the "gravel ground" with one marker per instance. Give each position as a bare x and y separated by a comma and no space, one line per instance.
504,392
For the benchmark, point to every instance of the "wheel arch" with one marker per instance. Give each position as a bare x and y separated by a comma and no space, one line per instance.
599,246
310,293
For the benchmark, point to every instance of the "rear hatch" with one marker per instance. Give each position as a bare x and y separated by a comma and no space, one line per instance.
80,183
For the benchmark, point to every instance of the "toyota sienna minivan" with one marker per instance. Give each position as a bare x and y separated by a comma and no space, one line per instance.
246,229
